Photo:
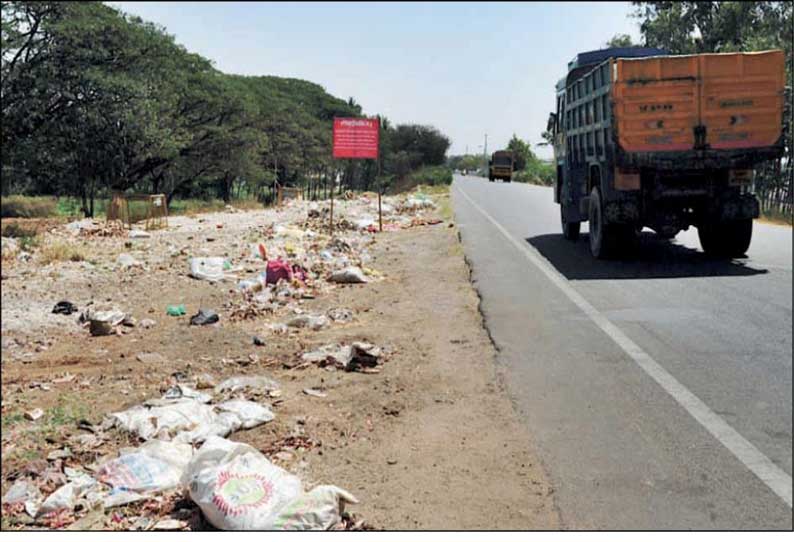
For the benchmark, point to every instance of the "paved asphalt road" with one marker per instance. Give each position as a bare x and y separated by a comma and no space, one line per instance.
626,446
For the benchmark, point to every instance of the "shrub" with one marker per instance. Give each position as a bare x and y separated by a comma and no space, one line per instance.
432,175
62,252
28,207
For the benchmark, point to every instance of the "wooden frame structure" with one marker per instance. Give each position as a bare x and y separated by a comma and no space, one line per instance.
156,209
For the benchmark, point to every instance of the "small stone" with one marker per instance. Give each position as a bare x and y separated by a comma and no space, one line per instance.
146,323
34,414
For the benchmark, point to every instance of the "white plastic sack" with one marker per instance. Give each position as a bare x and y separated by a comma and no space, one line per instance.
66,496
349,275
235,383
211,269
154,466
127,260
139,234
313,322
319,509
164,420
248,413
237,488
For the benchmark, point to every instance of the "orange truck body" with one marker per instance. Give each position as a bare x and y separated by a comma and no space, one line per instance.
737,97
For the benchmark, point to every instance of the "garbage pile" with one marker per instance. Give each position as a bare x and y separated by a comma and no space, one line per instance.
181,452
234,485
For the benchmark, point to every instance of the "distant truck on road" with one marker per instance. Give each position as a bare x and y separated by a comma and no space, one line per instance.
644,138
500,166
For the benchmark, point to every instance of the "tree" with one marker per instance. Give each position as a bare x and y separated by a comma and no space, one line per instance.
521,152
620,40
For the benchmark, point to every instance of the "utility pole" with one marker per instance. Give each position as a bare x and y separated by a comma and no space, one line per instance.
485,148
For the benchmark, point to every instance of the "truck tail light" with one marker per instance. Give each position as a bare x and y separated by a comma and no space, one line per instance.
738,177
626,179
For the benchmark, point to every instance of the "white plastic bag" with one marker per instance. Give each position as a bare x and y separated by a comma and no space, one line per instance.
66,496
249,413
349,275
235,383
154,466
237,488
166,420
211,269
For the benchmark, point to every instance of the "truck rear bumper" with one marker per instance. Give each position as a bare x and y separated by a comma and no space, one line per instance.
700,159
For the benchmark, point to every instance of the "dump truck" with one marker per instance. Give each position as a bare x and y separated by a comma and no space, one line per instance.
643,138
500,166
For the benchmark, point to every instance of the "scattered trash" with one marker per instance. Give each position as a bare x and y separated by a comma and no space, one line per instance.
259,341
22,491
350,358
66,496
340,315
277,270
238,489
147,323
349,275
151,357
64,307
129,321
314,392
64,453
204,381
154,466
139,234
103,322
169,524
313,322
261,383
204,317
34,414
211,269
175,310
127,260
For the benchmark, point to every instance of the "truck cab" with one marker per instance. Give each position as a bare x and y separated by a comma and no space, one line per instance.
500,166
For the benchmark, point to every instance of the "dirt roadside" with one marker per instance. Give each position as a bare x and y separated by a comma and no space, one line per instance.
455,456
429,442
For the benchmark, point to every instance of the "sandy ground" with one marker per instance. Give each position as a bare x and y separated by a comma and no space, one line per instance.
429,442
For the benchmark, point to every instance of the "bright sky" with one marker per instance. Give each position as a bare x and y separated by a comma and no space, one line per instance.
466,68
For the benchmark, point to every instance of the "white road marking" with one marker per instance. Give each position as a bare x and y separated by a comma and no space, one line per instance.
770,474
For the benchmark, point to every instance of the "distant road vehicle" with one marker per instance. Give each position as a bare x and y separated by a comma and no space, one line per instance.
643,138
500,166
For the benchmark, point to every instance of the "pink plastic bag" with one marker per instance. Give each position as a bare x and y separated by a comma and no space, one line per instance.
278,269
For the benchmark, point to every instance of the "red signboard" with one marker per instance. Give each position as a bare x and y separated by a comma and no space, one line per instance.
356,138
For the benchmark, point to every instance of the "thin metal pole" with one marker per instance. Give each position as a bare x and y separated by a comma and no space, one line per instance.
380,213
333,181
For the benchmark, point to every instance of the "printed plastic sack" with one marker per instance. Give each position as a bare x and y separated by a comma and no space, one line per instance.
155,466
237,488
208,268
320,508
278,269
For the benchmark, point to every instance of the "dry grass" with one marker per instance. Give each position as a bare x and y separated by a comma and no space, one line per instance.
62,252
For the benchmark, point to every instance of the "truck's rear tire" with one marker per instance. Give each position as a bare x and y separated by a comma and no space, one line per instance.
570,229
726,239
605,239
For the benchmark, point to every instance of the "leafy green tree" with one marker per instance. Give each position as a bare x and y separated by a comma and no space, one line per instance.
620,40
522,154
